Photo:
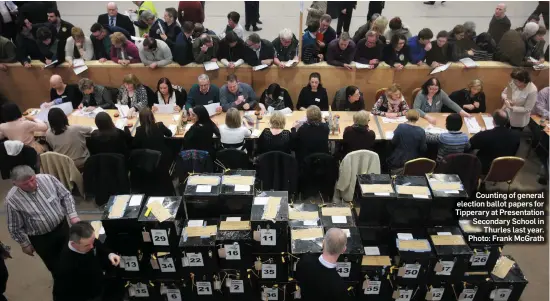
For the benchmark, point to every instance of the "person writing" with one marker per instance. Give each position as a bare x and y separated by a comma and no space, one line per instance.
471,99
391,104
431,99
94,95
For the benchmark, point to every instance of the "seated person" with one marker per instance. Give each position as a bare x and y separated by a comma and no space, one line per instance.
234,131
167,95
348,99
232,26
61,92
519,98
500,141
275,98
440,53
311,51
431,99
101,40
78,46
259,51
183,49
409,142
232,50
391,104
452,142
107,138
275,138
150,135
358,136
133,94
312,136
156,25
471,99
313,94
7,53
22,129
396,54
94,95
369,50
123,52
68,140
341,52
541,106
419,45
200,134
238,95
154,53
286,48
173,29
203,94
205,48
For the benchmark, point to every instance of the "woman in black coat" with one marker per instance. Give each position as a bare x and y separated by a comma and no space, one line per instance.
312,136
396,54
200,134
166,94
150,135
107,138
313,94
275,97
471,99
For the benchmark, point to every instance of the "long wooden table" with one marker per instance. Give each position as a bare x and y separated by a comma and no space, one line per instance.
537,119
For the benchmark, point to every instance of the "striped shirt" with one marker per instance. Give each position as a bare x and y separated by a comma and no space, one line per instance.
449,143
39,212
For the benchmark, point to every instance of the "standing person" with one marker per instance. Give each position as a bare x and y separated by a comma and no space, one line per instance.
519,98
344,18
326,34
326,284
341,52
173,29
233,25
369,50
101,40
232,50
8,18
191,11
440,53
4,254
183,49
316,11
143,6
252,15
375,7
361,33
542,8
396,54
37,208
78,46
499,23
123,52
112,18
7,53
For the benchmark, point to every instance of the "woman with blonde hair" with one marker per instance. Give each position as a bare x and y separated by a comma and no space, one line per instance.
311,136
123,52
78,46
380,25
132,93
391,104
358,136
233,132
275,138
471,99
409,141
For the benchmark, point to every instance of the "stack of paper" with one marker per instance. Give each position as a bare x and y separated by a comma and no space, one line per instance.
211,108
256,133
164,108
123,110
472,125
389,134
290,63
440,68
173,128
434,130
468,62
394,120
210,66
121,123
260,67
79,66
488,122
363,66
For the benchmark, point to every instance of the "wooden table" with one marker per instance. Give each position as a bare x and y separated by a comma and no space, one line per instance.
537,119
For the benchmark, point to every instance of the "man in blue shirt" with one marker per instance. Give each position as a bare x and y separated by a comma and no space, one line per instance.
237,95
419,45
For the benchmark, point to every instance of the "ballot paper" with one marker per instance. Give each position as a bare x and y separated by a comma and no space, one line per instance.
488,122
138,39
79,66
256,133
164,108
472,125
123,110
66,107
540,67
173,128
440,68
52,64
389,134
210,66
121,123
468,62
363,66
325,114
290,63
88,112
434,130
286,111
211,108
260,67
394,120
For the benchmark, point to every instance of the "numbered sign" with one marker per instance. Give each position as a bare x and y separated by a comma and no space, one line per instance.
502,294
270,294
160,237
195,259
166,265
437,293
343,268
404,295
173,295
411,271
268,237
373,288
236,287
269,271
141,290
447,268
130,263
479,259
467,295
204,288
232,252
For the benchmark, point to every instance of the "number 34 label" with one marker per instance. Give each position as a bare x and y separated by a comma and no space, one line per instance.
160,237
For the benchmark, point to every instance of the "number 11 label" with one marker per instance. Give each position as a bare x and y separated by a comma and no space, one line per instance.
268,237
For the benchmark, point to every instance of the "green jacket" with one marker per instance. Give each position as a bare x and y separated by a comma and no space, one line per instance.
7,51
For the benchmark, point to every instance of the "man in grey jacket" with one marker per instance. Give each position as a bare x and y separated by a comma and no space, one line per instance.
237,95
154,53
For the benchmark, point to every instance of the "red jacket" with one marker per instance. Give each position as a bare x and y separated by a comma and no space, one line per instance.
131,50
190,11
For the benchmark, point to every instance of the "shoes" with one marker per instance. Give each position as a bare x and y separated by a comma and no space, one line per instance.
429,2
260,22
247,27
256,28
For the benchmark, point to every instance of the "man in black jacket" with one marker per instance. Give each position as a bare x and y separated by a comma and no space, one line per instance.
183,50
102,42
45,47
113,18
259,51
232,50
328,33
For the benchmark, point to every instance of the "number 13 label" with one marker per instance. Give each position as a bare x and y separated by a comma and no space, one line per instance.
268,237
129,263
160,237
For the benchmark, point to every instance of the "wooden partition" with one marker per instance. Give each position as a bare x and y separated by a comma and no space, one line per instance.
30,87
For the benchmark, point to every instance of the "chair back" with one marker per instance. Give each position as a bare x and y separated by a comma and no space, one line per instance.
418,167
232,159
379,93
27,156
466,166
358,162
104,175
143,165
63,168
319,173
192,161
277,171
504,169
413,96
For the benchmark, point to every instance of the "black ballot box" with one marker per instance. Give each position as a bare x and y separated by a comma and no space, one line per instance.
234,243
303,215
349,263
376,236
440,291
275,291
412,207
236,286
408,292
507,280
452,251
336,215
202,195
197,247
304,240
237,192
446,190
120,221
373,193
484,256
269,220
415,258
162,233
375,270
270,267
472,289
142,291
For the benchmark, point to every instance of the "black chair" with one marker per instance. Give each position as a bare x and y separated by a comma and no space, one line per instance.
318,175
277,171
466,166
105,175
233,159
27,156
146,174
189,162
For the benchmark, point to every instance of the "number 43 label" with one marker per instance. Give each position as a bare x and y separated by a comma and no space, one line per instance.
343,269
160,237
271,294
268,237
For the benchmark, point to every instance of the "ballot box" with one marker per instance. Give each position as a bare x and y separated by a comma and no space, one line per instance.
472,289
507,280
204,288
415,257
234,242
303,215
142,291
376,236
440,291
275,291
202,195
412,207
304,240
120,221
373,193
170,290
237,192
162,265
452,251
349,263
375,270
484,256
238,287
408,292
270,267
446,190
337,215
161,221
269,220
197,246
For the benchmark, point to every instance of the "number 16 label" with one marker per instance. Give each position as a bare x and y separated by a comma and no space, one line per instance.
268,237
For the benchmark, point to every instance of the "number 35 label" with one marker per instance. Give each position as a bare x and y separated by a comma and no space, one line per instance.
160,237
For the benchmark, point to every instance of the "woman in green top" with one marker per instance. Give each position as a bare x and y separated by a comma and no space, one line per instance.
431,99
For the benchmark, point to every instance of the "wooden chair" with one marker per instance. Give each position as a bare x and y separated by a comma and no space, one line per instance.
504,169
379,93
418,167
414,93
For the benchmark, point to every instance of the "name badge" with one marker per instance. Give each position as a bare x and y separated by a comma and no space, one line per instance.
437,103
210,101
280,97
317,100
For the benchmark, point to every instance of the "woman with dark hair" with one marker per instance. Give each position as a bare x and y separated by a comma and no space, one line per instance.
396,54
276,98
68,140
313,94
519,98
167,95
431,99
150,134
200,134
21,129
486,47
107,138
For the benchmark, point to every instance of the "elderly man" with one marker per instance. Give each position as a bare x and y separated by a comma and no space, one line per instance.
500,23
232,25
205,48
94,95
203,93
183,49
37,208
419,45
7,53
341,51
79,276
286,48
369,50
326,34
61,92
317,276
259,51
348,99
101,41
156,25
512,47
154,53
237,95
112,18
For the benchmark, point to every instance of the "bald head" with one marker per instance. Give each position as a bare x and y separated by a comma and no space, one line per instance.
500,11
500,118
112,9
56,81
335,242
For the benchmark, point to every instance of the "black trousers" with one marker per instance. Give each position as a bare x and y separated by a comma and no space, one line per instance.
344,21
251,13
540,10
375,7
3,279
48,246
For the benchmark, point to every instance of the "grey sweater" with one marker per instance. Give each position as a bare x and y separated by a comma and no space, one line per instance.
227,99
162,55
421,103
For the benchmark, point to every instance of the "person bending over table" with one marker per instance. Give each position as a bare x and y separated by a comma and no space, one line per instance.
200,134
313,94
409,141
391,104
237,95
133,94
108,138
61,92
22,129
311,136
431,99
123,52
234,131
397,53
452,142
348,99
275,138
167,95
78,46
202,94
275,98
519,98
358,136
471,99
94,95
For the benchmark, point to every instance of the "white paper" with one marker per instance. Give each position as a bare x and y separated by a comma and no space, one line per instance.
488,122
310,222
286,111
152,199
78,63
211,108
261,200
42,115
210,66
339,220
138,39
204,188
468,62
123,110
243,188
135,200
394,120
444,233
348,233
164,108
233,219
440,68
260,67
325,114
472,125
363,66
80,69
382,193
173,128
372,251
102,230
195,223
434,130
389,134
451,191
290,63
188,126
405,236
50,64
421,196
121,123
256,133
